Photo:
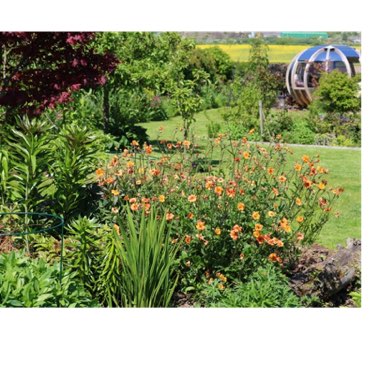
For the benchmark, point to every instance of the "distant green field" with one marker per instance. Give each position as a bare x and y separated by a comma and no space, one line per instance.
344,170
276,53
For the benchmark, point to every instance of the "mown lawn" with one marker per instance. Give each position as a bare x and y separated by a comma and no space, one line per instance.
344,170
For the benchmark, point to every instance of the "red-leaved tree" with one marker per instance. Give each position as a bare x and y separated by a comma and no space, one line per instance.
42,69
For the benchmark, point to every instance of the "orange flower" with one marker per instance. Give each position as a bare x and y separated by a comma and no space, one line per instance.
186,144
258,227
323,202
114,210
240,206
256,233
187,239
100,172
237,228
209,185
275,192
218,190
221,286
148,149
246,155
260,239
154,172
274,257
282,178
130,164
109,180
133,200
135,143
305,158
270,171
298,202
230,192
300,236
338,191
251,131
234,234
117,228
190,215
300,219
146,206
115,192
279,243
134,206
169,146
297,167
271,214
161,198
321,186
200,226
217,231
169,216
192,198
306,182
256,215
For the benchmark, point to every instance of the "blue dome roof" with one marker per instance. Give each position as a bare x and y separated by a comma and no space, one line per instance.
348,51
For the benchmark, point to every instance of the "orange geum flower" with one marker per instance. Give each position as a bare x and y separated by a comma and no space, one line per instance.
305,158
258,227
169,146
274,258
109,180
100,172
256,215
282,178
169,216
135,143
190,215
192,198
115,192
270,171
300,236
279,243
186,144
200,226
154,172
209,185
275,192
218,190
260,239
240,206
187,239
130,164
321,186
306,182
297,167
234,234
230,192
217,231
117,228
338,191
256,233
300,219
246,155
237,228
271,214
148,149
298,202
134,206
161,198
132,200
221,286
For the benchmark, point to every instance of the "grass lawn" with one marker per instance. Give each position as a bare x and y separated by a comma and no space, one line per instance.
344,170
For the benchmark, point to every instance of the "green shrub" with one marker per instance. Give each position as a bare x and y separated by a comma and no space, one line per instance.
213,128
300,134
27,282
267,287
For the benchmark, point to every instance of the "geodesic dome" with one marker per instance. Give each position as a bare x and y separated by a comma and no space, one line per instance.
305,69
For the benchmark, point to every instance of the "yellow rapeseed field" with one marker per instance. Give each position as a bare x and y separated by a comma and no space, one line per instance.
276,53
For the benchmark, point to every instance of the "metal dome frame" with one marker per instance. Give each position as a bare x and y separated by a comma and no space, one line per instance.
301,90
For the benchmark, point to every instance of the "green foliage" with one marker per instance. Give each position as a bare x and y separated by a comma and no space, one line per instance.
148,258
300,133
27,282
357,298
337,93
267,287
213,129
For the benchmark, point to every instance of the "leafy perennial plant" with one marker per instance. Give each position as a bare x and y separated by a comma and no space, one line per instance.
252,207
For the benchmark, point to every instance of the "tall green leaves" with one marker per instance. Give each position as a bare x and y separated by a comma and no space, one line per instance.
148,258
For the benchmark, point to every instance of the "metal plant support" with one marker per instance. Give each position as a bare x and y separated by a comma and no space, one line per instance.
24,224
